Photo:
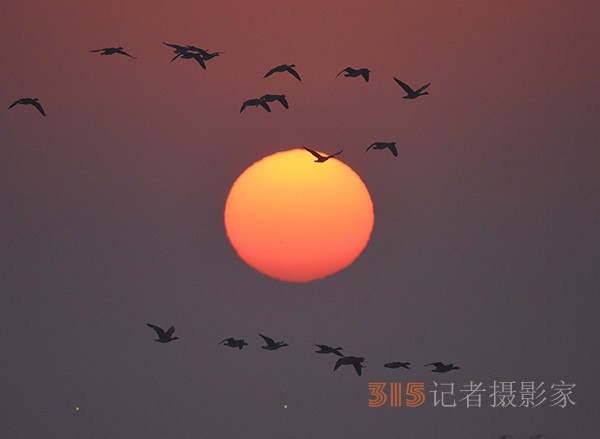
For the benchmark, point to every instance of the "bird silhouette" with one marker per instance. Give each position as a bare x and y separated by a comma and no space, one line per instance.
272,345
112,51
353,73
284,68
164,337
383,145
410,93
321,158
29,101
540,436
324,349
441,367
396,365
273,98
354,361
505,436
233,343
192,55
255,103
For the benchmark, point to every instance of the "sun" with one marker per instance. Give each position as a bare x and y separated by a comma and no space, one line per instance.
296,220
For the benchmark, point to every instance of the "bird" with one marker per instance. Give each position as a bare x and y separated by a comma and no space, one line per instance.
324,349
441,367
505,436
396,365
164,337
273,98
191,55
354,361
321,158
383,145
208,55
112,51
29,101
272,345
410,93
540,436
233,343
353,73
284,68
255,103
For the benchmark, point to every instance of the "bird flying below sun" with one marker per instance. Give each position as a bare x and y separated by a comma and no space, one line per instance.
284,68
255,103
324,349
410,93
164,337
353,73
321,158
112,51
271,344
354,361
383,145
233,343
29,101
272,98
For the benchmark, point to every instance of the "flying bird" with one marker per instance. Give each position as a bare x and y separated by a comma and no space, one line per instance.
441,367
354,361
255,103
272,345
29,101
164,337
284,68
396,365
324,349
321,158
233,343
112,51
353,73
272,98
410,93
383,145
540,436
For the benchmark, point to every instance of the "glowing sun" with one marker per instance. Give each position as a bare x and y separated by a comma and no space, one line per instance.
296,220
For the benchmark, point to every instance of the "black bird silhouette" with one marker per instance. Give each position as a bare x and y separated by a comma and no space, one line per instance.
540,436
383,145
208,55
272,345
441,367
164,337
273,98
192,55
324,349
354,361
396,365
353,73
505,436
284,68
112,51
255,103
29,101
410,93
321,158
233,343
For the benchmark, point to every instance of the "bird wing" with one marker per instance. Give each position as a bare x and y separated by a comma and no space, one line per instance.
270,72
244,105
170,331
37,105
338,363
122,52
229,340
357,367
406,88
283,101
294,73
319,156
265,105
371,146
365,74
268,340
393,148
345,70
438,364
14,103
158,330
200,61
337,153
423,88
97,50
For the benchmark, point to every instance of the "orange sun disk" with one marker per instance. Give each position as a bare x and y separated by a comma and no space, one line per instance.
296,220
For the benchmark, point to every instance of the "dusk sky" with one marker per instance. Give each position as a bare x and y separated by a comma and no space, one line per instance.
484,251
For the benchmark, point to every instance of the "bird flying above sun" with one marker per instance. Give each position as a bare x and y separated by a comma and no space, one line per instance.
296,220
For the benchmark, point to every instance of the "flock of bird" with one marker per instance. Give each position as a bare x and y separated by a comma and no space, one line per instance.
272,345
202,56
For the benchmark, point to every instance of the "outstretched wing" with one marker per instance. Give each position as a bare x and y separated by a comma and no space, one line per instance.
37,105
14,103
365,74
226,340
268,340
357,367
318,156
294,73
438,364
338,363
270,72
200,61
283,101
345,70
371,146
265,105
158,330
170,331
393,148
122,52
337,153
424,87
98,50
406,88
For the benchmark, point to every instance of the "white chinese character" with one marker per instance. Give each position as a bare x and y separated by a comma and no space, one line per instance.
503,394
561,396
473,391
437,400
529,394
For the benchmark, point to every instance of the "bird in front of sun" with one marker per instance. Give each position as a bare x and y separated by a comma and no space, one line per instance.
442,368
324,349
271,344
29,101
354,361
112,51
321,158
233,343
396,365
384,145
410,93
284,68
255,103
353,73
164,337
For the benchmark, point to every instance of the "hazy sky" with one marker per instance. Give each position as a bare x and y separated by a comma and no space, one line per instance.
484,253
